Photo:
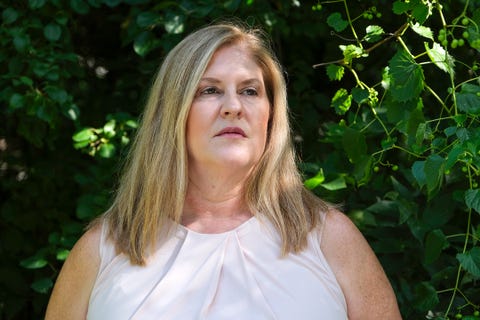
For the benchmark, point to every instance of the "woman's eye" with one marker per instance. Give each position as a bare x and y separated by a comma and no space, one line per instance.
250,92
209,90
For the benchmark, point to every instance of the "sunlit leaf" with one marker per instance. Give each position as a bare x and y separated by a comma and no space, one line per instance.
425,32
35,262
62,254
315,181
440,57
335,72
374,33
337,184
87,134
470,261
107,150
144,43
174,24
341,101
351,52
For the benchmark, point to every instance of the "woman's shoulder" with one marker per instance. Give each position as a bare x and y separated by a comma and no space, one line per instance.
75,281
357,269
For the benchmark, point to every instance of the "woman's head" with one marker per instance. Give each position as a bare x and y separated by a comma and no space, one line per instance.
178,79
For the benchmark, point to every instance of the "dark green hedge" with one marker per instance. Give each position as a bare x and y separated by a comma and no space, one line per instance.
384,97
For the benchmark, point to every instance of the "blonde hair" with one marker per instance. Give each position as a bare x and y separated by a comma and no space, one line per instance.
152,190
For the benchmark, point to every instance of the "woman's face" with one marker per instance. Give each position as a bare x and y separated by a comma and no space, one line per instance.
228,119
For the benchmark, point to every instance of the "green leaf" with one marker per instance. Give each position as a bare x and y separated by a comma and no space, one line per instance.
148,19
434,244
374,33
426,297
421,11
434,171
335,72
336,21
52,32
34,262
315,181
112,3
79,6
425,32
16,101
106,150
231,5
360,95
472,199
441,58
468,99
87,134
36,4
351,52
341,101
144,43
354,144
42,285
400,7
174,24
57,94
62,254
470,261
453,155
109,129
9,15
407,79
337,184
418,171
21,42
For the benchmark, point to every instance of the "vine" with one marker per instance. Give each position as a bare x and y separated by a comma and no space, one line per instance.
426,106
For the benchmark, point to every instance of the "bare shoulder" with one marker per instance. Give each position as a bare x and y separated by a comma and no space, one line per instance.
71,293
367,290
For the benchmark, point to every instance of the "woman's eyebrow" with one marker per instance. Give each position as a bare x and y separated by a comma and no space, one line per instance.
251,81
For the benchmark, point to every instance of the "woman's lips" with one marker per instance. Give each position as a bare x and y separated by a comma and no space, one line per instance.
231,131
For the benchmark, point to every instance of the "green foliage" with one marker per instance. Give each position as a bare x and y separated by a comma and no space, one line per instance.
420,134
390,127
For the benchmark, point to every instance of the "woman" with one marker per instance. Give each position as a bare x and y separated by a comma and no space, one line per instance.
211,219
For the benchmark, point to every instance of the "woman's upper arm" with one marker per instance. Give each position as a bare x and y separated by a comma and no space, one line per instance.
71,293
367,290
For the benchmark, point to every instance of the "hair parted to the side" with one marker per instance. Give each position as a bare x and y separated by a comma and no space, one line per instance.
152,190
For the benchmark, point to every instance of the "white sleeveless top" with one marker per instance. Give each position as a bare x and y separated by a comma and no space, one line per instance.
237,274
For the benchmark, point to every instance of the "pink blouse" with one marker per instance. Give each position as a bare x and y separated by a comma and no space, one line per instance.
237,274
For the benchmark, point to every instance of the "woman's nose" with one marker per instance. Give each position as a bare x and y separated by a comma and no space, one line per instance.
231,105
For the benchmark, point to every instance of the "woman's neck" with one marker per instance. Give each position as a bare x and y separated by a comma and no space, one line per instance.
214,205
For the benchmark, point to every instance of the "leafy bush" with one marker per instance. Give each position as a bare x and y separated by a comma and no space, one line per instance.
386,122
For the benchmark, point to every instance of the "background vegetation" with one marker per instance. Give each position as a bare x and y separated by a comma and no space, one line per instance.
384,96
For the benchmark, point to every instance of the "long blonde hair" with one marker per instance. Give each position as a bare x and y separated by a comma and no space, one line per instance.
152,190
